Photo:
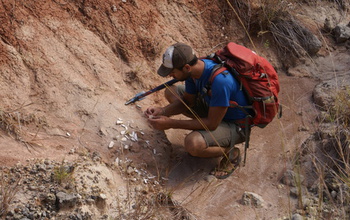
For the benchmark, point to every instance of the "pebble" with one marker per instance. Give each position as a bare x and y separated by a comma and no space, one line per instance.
111,144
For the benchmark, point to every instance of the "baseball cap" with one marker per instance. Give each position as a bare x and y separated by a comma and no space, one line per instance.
175,56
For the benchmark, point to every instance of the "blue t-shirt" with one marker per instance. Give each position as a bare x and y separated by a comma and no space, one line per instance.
223,89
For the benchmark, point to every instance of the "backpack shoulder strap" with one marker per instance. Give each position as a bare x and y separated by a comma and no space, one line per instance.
219,68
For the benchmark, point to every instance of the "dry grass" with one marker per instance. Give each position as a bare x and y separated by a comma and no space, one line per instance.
15,123
10,123
8,189
340,115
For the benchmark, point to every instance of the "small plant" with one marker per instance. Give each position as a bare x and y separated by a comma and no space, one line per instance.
267,44
63,174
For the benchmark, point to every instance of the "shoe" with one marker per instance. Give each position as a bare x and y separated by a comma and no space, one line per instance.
226,166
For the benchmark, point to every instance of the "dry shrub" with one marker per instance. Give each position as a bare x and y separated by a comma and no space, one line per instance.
271,19
291,38
257,16
335,164
244,12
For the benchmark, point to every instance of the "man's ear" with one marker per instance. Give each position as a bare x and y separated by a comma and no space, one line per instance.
187,67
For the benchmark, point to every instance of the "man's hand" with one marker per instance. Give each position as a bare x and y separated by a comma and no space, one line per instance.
159,122
154,111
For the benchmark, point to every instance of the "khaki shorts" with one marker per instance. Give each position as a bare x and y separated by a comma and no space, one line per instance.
227,134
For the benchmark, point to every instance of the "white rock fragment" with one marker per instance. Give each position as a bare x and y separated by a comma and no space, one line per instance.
126,147
128,160
72,151
111,144
68,134
123,132
124,139
154,151
133,136
119,122
117,161
103,196
130,170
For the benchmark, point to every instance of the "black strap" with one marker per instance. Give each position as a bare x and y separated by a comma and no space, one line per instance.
247,136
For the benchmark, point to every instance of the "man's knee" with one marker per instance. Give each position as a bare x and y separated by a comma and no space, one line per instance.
192,150
194,144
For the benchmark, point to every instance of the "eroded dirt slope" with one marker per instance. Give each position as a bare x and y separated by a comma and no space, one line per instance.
74,64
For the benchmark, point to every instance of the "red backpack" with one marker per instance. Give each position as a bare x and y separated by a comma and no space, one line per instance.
258,80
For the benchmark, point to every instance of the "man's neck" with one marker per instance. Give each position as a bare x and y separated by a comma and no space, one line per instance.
197,70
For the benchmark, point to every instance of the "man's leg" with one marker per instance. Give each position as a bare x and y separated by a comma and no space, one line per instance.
172,94
197,146
215,143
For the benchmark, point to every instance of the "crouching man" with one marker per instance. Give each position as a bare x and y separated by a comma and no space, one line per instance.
211,119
